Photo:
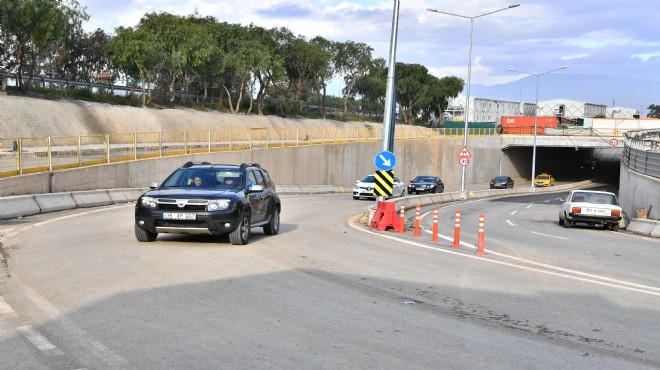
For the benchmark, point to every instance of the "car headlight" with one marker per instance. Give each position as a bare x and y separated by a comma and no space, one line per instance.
218,205
149,202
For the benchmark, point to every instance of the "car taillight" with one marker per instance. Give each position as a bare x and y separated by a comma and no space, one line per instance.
616,213
576,210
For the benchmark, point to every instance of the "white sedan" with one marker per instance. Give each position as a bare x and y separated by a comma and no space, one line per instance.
365,188
590,207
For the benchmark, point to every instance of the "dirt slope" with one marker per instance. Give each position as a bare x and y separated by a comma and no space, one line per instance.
34,117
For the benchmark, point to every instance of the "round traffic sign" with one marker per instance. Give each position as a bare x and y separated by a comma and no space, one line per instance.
464,161
614,142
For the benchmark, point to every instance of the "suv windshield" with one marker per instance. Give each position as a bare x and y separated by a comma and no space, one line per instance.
205,178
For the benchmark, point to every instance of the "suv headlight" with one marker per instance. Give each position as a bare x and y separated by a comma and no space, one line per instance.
218,205
149,202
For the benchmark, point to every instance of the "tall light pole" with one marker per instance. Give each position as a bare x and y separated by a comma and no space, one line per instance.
467,104
536,112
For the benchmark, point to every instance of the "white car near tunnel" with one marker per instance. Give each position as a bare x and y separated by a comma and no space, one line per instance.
590,207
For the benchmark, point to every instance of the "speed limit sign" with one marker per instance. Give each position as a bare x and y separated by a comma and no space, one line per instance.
614,142
464,161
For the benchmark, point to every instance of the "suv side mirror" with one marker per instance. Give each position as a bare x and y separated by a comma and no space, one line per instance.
153,185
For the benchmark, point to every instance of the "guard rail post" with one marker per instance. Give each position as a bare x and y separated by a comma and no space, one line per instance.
480,243
434,238
457,230
417,215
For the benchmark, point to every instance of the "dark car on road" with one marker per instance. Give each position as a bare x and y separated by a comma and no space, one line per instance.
501,182
426,184
210,199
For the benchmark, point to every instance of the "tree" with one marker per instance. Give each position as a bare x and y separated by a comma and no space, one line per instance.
137,53
31,29
85,60
373,86
272,71
325,73
412,83
303,62
654,111
435,99
352,60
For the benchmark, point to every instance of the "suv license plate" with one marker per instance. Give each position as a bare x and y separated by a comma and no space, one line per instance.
179,216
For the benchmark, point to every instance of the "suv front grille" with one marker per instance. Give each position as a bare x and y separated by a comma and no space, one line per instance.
170,204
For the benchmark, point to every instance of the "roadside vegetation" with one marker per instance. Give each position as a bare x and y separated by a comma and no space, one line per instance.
165,58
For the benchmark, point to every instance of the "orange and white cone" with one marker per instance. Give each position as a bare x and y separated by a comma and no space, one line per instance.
434,238
457,230
418,212
480,243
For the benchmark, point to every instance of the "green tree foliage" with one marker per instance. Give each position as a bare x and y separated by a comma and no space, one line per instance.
85,60
178,55
412,84
373,86
33,29
654,111
304,62
137,54
436,96
325,73
352,61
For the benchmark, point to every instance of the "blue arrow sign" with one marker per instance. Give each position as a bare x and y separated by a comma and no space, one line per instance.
385,160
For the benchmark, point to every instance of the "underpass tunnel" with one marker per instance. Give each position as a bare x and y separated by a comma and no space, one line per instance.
569,164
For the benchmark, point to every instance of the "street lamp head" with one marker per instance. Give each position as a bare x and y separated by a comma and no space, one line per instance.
514,6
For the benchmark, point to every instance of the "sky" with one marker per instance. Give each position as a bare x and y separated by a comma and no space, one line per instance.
608,38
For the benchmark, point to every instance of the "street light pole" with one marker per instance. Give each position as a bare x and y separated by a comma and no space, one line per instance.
536,112
469,76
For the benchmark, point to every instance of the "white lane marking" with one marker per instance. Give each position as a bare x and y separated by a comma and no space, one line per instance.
99,350
510,223
82,214
549,236
563,272
513,213
6,310
529,206
38,340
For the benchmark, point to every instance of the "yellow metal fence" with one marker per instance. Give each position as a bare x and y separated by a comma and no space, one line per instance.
30,155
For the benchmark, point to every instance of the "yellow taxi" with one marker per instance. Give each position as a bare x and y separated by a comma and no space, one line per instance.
544,179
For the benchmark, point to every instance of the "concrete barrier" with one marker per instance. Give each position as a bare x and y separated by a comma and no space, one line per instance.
54,202
125,195
91,198
18,206
644,227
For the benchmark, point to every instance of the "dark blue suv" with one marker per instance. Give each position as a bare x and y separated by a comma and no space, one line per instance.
211,199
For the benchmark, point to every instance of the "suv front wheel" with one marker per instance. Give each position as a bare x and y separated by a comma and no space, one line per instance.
143,235
241,235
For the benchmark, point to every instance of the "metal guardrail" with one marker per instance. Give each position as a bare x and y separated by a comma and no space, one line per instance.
641,152
43,154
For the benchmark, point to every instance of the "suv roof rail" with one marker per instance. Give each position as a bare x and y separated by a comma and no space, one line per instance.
250,164
192,163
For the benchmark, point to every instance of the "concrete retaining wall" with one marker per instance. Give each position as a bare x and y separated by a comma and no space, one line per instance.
335,164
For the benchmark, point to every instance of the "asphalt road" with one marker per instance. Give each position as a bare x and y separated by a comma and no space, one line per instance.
78,291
